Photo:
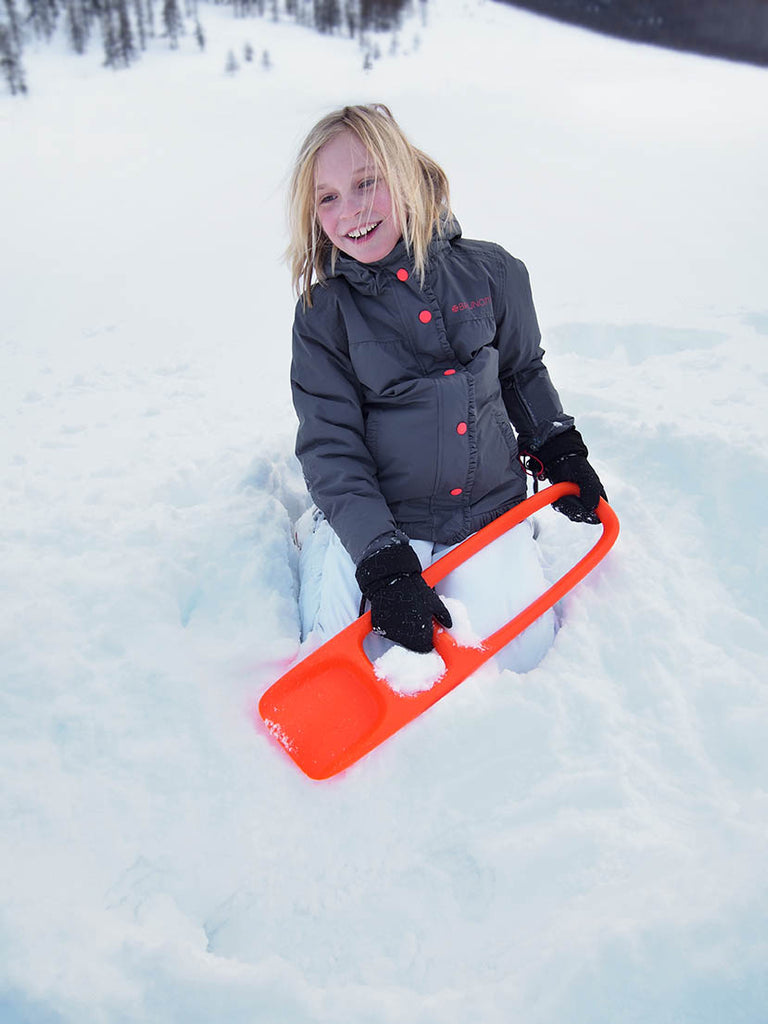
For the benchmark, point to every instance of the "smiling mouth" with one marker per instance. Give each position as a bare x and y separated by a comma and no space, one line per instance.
360,234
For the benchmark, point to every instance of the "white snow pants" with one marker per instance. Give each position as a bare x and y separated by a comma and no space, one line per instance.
493,585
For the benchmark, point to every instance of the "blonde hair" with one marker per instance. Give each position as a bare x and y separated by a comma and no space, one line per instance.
418,186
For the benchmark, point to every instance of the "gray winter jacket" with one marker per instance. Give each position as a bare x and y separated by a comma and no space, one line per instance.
405,394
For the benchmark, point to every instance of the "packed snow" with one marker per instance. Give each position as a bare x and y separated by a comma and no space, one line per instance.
581,844
462,630
408,672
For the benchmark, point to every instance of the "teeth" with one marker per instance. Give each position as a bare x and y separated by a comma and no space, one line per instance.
361,232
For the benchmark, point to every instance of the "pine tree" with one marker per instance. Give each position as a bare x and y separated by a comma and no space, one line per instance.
12,27
117,34
42,16
125,44
109,37
10,61
352,16
173,22
78,25
327,15
150,14
138,10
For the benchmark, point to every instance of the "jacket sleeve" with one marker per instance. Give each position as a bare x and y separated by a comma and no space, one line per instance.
330,444
533,405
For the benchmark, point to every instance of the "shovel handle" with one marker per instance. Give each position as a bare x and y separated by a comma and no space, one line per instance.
358,630
456,556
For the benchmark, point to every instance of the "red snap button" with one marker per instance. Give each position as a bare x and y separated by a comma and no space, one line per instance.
425,316
402,274
447,373
461,428
456,490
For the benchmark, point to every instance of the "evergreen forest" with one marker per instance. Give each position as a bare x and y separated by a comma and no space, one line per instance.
123,28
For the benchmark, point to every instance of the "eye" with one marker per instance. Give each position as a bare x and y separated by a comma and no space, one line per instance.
324,200
367,183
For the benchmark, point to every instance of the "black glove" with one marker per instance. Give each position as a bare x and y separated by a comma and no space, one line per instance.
402,603
564,458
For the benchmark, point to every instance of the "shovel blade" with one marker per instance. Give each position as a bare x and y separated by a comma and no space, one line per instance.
325,705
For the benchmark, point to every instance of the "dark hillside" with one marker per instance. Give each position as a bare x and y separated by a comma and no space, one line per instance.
734,29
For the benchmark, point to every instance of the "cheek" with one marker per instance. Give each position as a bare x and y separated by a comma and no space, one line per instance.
383,203
324,219
381,200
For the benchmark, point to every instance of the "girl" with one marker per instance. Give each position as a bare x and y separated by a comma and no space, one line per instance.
413,349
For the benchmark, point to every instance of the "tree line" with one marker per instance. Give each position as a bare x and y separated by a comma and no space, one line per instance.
125,27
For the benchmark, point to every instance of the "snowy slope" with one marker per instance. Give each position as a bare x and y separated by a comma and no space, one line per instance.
582,844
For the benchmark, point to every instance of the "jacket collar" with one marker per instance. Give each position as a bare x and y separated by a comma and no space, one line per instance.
370,278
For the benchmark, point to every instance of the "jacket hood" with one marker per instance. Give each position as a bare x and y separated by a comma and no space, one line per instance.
370,277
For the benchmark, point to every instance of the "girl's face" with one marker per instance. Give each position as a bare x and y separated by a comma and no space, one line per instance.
353,202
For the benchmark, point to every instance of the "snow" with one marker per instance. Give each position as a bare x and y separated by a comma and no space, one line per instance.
408,672
462,630
583,843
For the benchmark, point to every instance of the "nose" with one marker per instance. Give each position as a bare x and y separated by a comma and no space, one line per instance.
352,205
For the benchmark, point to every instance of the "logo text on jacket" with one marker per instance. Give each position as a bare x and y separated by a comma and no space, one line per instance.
472,304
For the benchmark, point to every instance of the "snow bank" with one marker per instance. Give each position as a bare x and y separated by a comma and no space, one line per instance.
583,843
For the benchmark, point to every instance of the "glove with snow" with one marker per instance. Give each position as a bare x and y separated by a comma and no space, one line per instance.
402,603
564,458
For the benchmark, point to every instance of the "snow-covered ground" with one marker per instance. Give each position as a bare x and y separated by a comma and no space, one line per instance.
584,844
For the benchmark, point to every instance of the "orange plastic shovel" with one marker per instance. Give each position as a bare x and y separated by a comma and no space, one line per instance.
331,709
